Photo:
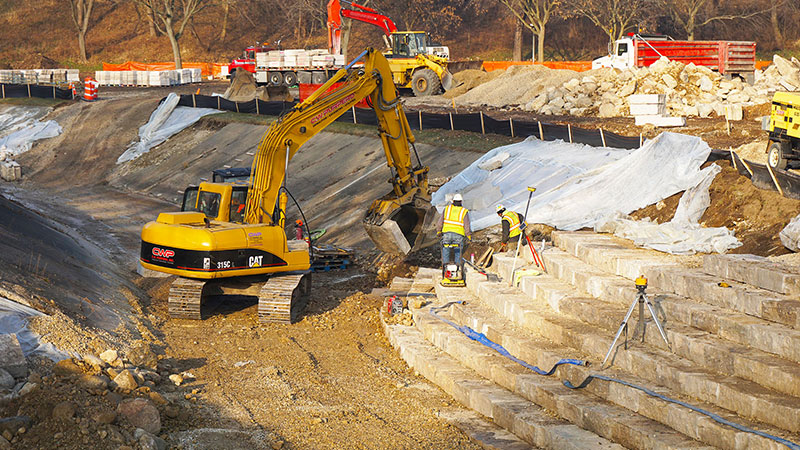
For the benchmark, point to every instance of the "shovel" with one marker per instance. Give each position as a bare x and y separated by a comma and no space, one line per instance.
489,276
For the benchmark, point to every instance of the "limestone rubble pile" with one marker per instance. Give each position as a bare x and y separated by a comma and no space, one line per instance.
692,91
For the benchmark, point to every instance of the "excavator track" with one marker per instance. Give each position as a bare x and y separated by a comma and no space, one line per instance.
185,298
282,297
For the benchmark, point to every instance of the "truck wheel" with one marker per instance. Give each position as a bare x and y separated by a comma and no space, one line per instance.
289,78
275,78
425,82
775,157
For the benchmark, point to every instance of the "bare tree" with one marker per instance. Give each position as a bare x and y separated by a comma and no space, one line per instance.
172,17
81,11
690,15
534,14
517,52
614,17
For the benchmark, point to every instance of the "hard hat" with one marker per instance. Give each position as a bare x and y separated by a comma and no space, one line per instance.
500,208
457,198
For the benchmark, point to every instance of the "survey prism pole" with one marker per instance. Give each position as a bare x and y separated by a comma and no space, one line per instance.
522,231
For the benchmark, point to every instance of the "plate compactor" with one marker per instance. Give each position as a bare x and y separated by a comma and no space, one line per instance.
453,272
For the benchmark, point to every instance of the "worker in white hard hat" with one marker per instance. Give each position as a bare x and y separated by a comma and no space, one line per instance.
513,226
454,228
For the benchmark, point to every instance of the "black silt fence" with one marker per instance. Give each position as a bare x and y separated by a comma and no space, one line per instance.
473,122
34,90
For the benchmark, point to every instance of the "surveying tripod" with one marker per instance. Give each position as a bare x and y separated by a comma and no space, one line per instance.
642,300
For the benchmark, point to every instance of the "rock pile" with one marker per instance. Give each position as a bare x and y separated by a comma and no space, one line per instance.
690,90
105,396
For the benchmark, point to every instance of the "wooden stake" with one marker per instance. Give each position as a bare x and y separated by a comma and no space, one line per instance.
483,130
194,102
774,180
602,137
4,90
255,100
354,115
541,133
746,166
569,129
511,124
733,160
420,120
237,106
218,105
641,140
451,121
29,90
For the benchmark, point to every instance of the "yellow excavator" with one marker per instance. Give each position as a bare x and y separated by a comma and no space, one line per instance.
234,231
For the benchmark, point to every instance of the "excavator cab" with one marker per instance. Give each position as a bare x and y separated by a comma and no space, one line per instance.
224,202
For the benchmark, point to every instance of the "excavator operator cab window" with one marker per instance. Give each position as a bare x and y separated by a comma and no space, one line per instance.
401,45
208,204
238,199
189,199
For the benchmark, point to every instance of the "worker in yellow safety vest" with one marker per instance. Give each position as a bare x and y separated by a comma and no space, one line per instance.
513,226
454,228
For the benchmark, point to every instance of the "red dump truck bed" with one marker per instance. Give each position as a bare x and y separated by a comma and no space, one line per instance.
726,57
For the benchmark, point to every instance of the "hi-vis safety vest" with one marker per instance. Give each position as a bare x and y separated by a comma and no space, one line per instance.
513,223
454,220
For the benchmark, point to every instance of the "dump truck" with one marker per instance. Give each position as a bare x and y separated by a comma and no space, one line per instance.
729,58
783,126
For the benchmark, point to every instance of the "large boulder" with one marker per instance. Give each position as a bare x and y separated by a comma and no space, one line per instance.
141,413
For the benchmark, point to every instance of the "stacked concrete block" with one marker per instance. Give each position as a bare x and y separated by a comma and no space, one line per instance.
733,347
197,75
73,75
652,109
6,76
10,171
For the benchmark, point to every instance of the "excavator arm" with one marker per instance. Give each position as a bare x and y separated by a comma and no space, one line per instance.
358,12
397,222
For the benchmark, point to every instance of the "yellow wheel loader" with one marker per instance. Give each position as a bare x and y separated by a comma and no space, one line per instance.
234,231
784,131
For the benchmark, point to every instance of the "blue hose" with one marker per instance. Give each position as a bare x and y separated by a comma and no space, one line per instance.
714,417
481,338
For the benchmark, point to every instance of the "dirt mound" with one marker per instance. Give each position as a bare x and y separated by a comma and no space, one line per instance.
243,88
517,85
754,151
756,216
469,79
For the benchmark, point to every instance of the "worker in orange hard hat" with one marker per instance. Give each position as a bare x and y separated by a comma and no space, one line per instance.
298,229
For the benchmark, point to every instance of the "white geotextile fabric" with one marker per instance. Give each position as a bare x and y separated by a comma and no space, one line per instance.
682,235
14,320
20,127
167,120
790,235
579,186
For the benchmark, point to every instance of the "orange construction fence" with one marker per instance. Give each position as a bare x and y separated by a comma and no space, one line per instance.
578,66
206,69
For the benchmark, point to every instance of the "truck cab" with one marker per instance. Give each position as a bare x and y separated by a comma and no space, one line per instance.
621,56
248,59
622,52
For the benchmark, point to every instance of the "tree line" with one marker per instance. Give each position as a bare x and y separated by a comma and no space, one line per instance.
302,20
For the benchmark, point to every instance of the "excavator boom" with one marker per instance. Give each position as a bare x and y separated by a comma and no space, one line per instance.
394,222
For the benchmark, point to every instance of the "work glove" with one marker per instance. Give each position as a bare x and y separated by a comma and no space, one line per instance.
503,247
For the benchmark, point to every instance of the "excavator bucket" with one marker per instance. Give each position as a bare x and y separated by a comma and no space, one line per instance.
402,229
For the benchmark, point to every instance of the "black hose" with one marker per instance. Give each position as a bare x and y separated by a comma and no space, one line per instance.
308,231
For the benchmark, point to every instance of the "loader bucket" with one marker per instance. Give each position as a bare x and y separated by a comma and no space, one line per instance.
405,229
447,80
